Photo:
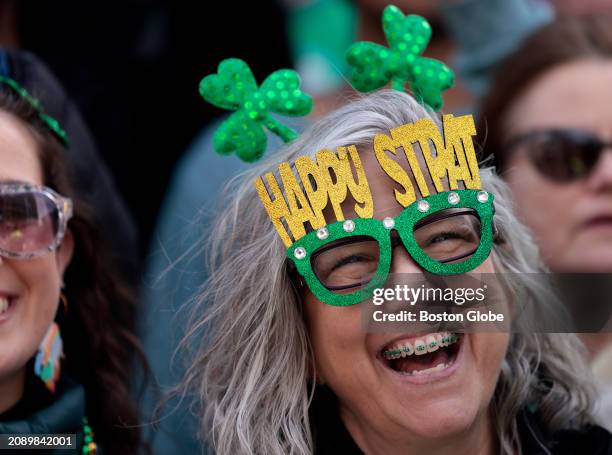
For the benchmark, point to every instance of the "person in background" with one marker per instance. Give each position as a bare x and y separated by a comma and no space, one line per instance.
66,316
485,32
547,121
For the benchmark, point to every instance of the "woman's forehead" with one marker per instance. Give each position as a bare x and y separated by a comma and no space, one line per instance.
574,94
18,152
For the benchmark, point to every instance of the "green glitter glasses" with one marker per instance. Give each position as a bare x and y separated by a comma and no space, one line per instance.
446,233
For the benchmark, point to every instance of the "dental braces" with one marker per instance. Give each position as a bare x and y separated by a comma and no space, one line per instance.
421,348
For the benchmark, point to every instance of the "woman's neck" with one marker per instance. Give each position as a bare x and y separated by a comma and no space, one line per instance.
478,439
11,389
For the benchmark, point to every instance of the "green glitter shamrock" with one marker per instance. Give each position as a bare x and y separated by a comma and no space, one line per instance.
374,65
234,88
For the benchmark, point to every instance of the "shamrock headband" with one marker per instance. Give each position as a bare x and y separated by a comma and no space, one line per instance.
234,88
49,121
296,201
373,65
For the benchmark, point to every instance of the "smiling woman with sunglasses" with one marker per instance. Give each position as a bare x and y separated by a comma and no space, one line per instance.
66,318
548,122
285,365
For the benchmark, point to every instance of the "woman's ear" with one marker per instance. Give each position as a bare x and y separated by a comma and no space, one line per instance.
63,254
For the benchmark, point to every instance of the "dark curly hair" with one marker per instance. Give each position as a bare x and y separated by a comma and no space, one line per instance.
98,329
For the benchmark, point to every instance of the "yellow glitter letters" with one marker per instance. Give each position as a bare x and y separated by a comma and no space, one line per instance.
328,181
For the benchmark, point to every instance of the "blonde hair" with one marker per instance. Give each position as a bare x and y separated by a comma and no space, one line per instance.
251,372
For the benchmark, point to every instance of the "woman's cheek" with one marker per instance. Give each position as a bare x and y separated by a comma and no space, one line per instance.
335,334
490,351
42,284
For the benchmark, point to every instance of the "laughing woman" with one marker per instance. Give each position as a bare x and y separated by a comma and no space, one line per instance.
286,367
66,319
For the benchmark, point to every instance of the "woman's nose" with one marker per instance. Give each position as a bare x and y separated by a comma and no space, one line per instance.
403,262
601,176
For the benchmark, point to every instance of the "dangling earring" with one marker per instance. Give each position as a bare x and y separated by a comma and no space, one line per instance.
47,362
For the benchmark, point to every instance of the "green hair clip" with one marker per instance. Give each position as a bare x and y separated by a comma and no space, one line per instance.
51,123
374,65
234,88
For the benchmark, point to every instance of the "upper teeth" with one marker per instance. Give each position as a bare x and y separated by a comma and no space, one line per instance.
4,304
420,346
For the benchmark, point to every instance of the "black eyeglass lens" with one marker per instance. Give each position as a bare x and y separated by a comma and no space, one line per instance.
565,156
448,236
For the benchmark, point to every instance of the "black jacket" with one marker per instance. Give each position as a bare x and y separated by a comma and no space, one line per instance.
332,438
40,412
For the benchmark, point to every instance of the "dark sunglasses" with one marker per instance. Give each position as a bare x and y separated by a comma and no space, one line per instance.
563,155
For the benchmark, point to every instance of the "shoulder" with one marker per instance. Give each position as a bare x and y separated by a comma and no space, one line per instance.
40,412
591,439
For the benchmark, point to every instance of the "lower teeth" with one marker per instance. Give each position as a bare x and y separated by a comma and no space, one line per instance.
439,367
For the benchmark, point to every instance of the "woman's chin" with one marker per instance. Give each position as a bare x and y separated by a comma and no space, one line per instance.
444,422
437,417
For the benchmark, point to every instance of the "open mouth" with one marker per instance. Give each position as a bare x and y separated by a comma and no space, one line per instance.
599,222
423,355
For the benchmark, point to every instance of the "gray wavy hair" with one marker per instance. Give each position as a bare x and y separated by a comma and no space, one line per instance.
252,370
